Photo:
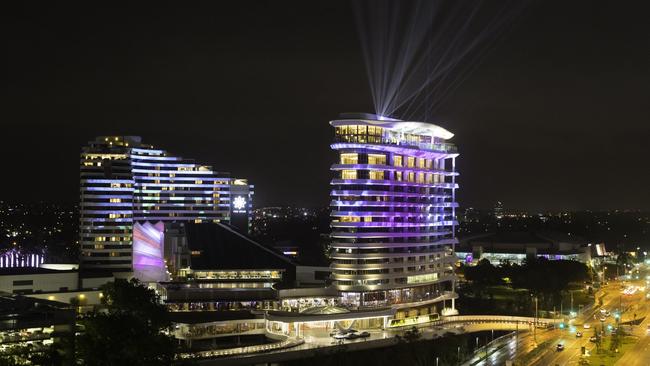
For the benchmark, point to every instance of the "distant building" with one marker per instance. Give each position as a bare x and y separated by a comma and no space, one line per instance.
516,247
61,283
124,182
498,210
33,323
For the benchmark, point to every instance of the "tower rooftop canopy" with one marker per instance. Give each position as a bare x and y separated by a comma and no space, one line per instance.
412,127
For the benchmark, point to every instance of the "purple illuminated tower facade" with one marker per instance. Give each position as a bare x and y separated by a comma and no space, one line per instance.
393,214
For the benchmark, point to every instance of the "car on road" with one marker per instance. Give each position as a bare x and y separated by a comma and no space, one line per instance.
586,326
648,329
593,339
603,319
560,347
578,334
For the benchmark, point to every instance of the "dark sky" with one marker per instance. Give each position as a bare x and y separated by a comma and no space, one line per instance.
555,117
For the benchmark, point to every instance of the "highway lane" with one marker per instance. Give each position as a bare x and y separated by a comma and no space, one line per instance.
573,345
520,345
572,352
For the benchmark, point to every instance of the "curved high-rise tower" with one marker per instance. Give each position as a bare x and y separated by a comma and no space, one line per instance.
393,213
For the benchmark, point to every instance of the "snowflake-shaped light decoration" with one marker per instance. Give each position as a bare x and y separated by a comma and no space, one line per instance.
239,203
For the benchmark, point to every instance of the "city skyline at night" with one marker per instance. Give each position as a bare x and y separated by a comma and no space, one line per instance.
426,182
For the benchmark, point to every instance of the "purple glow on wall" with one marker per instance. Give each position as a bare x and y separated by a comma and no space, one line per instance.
148,253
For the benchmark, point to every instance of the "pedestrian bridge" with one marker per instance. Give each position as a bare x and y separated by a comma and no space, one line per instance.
476,323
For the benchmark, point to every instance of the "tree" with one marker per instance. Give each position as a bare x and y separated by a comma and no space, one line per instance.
623,260
129,330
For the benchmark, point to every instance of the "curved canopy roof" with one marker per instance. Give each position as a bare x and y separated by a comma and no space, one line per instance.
325,310
416,128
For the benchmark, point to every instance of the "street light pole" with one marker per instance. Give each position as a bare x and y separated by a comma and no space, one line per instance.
486,347
535,323
458,356
516,337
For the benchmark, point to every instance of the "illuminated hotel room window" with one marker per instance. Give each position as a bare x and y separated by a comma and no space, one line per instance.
349,158
411,177
377,174
410,162
348,174
377,159
397,160
350,219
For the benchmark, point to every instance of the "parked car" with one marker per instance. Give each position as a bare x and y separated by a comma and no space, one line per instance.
352,336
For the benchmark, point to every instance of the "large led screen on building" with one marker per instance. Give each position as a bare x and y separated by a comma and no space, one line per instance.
148,253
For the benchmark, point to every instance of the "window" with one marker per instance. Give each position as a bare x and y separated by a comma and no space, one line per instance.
421,163
348,174
377,159
377,174
349,158
410,162
350,219
23,282
397,160
398,176
411,177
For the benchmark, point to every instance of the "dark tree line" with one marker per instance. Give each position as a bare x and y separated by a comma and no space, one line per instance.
547,280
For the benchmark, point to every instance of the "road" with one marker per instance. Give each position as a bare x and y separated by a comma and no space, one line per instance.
572,344
522,344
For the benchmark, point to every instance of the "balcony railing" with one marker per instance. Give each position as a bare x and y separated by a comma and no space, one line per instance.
361,139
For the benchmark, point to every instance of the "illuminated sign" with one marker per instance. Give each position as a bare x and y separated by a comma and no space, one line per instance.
239,204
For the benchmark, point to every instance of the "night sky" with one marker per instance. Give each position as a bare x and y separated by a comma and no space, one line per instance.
556,116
